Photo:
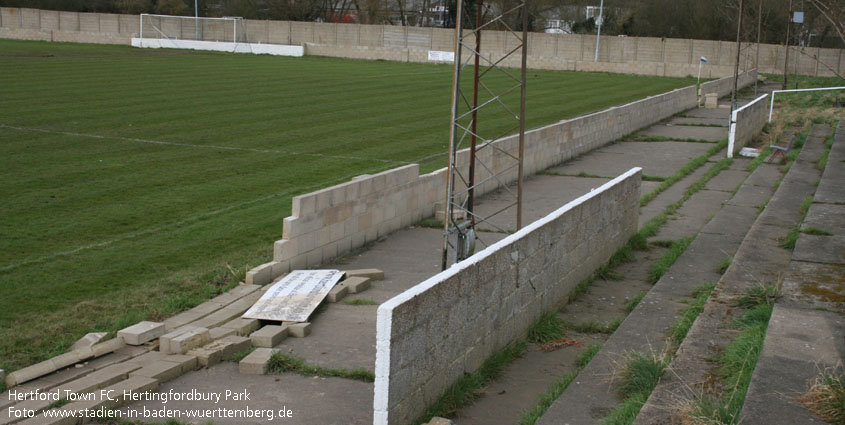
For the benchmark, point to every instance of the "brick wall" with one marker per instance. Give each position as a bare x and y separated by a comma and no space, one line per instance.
644,55
430,335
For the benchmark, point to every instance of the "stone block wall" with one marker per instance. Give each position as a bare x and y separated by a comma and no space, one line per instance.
637,55
332,221
433,333
747,122
724,86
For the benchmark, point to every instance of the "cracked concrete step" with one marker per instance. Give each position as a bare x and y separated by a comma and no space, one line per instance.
758,260
806,335
591,396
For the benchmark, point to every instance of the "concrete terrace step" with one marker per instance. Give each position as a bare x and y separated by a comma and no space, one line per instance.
758,260
806,333
591,396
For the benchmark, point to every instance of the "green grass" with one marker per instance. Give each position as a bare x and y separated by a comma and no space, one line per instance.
759,295
546,329
659,268
240,355
723,266
812,230
641,375
791,237
694,307
468,387
634,302
736,366
764,154
821,162
101,230
684,171
592,327
648,178
737,361
432,224
826,397
359,301
545,400
281,362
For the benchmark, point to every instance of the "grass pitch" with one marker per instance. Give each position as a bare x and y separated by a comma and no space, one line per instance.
137,183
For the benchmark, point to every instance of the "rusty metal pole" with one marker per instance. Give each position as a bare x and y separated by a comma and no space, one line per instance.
786,58
759,28
450,177
738,55
522,114
471,194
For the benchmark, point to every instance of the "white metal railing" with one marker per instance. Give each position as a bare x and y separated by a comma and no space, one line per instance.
772,104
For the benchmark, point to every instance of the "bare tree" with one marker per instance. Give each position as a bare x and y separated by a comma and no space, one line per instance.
834,12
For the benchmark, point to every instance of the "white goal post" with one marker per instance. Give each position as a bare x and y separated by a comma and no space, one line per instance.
227,34
170,27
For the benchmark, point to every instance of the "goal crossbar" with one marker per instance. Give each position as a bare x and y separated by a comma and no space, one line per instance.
199,27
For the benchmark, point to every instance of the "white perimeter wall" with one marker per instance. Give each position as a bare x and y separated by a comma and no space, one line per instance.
219,46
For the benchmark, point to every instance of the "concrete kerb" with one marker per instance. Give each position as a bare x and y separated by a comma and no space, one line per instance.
384,322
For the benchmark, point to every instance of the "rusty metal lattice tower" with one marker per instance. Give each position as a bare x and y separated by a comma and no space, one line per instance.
460,217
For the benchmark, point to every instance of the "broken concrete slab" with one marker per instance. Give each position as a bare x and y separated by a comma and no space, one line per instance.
242,327
217,333
135,384
337,293
182,340
182,319
269,336
101,378
218,351
141,332
357,284
29,373
89,340
162,371
186,361
107,347
256,362
374,274
148,358
299,330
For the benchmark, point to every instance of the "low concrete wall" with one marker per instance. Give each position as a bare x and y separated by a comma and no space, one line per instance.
724,86
747,122
433,333
219,46
332,221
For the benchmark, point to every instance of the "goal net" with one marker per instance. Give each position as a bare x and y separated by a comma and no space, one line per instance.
228,29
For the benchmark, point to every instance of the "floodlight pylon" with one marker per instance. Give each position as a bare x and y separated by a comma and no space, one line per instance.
460,216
